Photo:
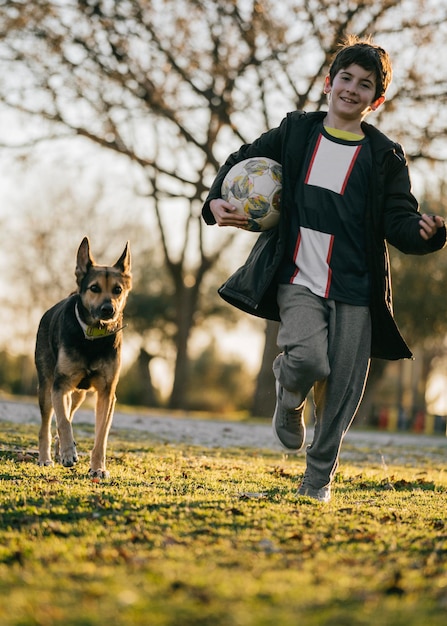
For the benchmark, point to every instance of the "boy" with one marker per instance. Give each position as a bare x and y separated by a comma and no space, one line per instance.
324,271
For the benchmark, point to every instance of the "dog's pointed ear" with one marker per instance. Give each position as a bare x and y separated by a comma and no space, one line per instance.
123,263
84,260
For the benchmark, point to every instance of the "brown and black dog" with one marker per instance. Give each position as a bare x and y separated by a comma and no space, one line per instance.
78,348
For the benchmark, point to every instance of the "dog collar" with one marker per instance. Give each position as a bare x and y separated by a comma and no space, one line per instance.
93,332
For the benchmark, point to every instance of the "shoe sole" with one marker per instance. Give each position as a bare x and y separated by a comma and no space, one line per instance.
275,434
318,497
324,500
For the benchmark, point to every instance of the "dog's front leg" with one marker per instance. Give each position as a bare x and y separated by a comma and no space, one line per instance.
46,412
62,409
105,406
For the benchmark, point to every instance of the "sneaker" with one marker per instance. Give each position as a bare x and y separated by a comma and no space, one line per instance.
288,424
322,495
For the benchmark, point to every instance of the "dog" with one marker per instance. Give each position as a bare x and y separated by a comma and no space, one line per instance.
78,349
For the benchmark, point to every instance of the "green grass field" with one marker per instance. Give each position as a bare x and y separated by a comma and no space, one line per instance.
183,535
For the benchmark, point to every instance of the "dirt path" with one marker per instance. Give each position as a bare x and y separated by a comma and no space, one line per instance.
214,433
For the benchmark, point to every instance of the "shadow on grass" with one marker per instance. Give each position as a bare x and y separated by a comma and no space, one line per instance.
390,484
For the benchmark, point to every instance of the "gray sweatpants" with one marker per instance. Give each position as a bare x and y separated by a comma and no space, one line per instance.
326,345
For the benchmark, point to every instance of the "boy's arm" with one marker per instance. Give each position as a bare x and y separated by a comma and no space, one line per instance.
405,228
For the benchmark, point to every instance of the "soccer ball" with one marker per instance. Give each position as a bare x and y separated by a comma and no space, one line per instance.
253,186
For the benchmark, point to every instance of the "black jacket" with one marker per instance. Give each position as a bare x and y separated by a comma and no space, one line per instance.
392,216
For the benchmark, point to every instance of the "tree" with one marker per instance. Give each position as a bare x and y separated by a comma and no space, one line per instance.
173,86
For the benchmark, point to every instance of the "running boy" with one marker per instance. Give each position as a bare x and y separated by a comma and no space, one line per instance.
324,271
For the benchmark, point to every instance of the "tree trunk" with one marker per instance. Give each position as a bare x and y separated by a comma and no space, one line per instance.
265,396
186,304
148,395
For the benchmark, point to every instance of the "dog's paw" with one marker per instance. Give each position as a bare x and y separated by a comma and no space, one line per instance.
69,456
46,463
98,474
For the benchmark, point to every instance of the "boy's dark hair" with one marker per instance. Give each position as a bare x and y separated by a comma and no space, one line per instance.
368,55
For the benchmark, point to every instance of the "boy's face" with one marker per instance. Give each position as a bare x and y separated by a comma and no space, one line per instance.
352,93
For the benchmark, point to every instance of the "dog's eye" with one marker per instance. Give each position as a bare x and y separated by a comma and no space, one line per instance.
95,288
117,290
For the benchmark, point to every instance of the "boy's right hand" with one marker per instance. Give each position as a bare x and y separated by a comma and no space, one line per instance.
225,214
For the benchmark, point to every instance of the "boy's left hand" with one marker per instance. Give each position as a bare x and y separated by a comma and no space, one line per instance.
430,224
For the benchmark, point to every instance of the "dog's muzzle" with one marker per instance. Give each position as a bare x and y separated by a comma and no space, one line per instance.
106,311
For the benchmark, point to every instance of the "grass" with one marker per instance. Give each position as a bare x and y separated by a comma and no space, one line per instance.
183,535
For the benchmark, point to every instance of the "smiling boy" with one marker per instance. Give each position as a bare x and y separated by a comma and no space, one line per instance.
324,271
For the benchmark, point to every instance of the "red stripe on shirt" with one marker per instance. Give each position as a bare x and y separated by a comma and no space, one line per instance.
328,259
314,154
348,173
